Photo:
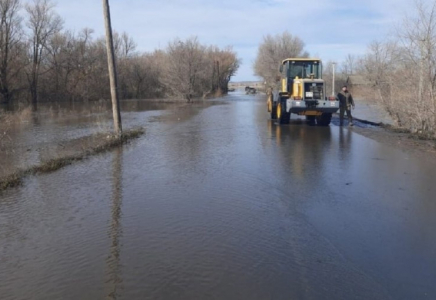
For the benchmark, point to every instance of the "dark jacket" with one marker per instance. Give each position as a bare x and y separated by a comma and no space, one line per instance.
345,98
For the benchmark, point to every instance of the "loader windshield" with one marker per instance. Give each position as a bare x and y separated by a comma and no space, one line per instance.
304,69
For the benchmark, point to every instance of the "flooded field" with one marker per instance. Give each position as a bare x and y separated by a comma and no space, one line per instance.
216,201
28,138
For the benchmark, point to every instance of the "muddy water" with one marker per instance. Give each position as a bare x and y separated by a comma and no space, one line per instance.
28,137
218,202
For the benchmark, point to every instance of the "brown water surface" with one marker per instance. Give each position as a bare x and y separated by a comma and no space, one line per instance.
218,202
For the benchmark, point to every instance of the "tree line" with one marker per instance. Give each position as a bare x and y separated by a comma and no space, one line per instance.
401,71
42,61
398,72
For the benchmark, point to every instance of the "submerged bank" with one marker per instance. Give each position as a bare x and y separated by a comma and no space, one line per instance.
78,150
63,133
383,129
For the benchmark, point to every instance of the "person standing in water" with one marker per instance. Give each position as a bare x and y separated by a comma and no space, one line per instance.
345,103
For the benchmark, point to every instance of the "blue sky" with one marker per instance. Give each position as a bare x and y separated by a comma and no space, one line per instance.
331,29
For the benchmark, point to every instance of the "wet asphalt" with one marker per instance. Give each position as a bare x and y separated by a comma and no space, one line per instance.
216,201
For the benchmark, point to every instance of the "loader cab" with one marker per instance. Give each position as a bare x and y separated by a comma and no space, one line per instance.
301,68
296,69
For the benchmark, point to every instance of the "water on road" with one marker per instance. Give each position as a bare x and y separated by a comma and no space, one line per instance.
219,202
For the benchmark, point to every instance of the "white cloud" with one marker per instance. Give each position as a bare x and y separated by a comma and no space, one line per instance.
330,28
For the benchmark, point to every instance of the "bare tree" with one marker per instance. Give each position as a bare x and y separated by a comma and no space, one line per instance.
124,45
125,48
43,22
184,68
81,65
349,65
273,50
10,37
144,77
221,65
418,36
60,57
402,71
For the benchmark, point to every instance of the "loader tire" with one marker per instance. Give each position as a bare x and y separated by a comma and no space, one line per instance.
282,115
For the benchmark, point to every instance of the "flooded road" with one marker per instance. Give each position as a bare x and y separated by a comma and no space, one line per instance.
219,202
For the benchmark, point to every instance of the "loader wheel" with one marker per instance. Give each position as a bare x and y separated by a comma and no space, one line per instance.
324,119
272,107
282,115
274,111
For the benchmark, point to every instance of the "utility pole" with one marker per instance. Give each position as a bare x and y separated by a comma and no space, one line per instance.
112,69
333,79
218,77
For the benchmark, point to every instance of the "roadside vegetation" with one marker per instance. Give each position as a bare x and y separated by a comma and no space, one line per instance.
40,60
399,72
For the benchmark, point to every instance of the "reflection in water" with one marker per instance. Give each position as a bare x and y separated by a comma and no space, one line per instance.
303,146
28,137
113,274
35,121
345,139
88,107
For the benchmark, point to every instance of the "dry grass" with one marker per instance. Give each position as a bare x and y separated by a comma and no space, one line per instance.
412,135
55,164
11,181
21,115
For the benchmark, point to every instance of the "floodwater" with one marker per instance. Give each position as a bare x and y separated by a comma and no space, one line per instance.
28,138
219,202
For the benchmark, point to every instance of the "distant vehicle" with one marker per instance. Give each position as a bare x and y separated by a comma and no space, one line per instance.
250,90
302,92
231,90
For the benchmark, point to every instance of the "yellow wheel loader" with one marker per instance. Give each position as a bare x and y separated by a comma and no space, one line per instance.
301,92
